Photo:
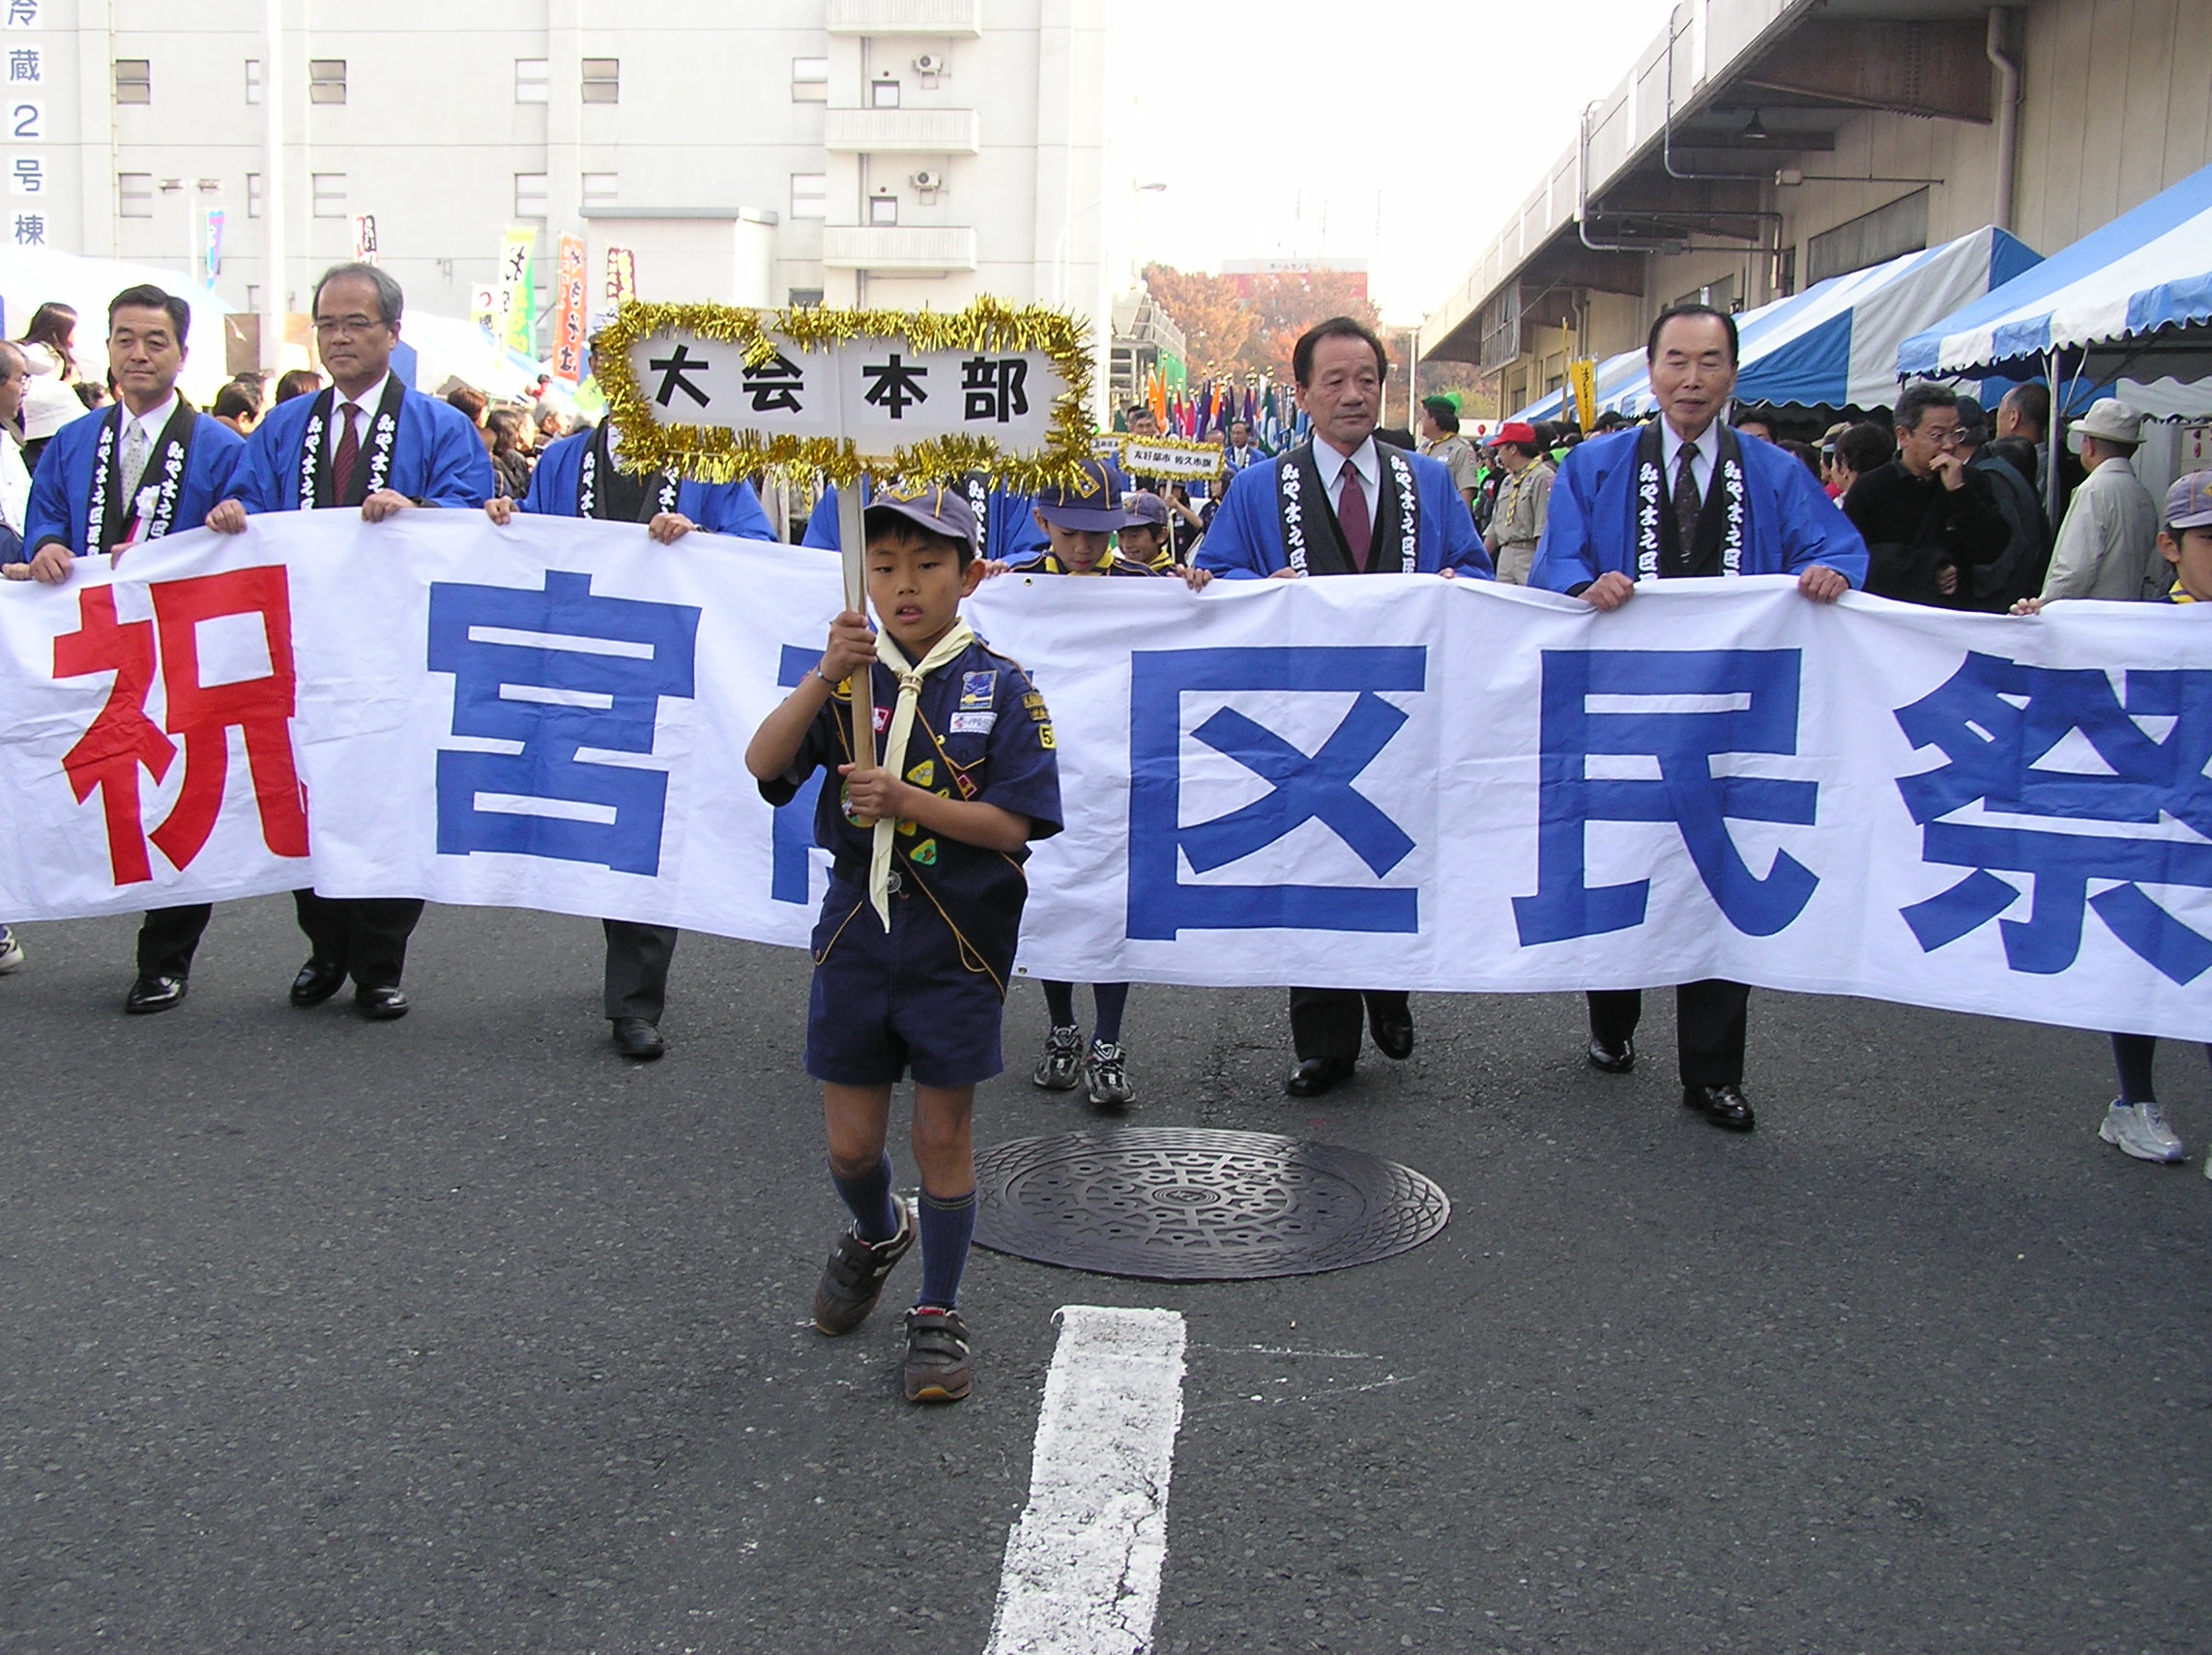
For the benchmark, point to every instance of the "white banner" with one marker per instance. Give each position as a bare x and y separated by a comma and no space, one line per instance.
1398,781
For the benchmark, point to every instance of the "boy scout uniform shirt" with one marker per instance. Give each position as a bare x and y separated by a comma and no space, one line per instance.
1112,564
980,734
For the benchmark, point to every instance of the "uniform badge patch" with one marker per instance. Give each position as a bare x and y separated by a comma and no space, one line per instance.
977,689
973,723
882,719
967,788
1044,737
925,854
923,773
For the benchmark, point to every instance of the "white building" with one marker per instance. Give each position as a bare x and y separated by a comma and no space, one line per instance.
889,153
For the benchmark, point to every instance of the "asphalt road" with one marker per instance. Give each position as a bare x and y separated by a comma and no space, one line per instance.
459,1334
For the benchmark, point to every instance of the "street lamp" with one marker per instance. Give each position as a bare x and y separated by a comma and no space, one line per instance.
1059,243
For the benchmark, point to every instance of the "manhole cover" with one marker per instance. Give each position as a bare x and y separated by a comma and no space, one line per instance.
1172,1205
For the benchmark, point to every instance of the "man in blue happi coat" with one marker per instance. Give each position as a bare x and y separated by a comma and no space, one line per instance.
1342,505
370,443
122,477
1684,496
579,477
1005,522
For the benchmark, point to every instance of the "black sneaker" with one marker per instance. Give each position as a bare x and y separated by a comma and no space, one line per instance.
935,1368
854,1278
1063,1061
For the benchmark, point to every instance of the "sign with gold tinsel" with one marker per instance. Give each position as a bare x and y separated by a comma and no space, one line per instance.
722,392
1171,457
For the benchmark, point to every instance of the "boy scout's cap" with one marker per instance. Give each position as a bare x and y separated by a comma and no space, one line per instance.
939,509
1091,500
1148,508
2188,501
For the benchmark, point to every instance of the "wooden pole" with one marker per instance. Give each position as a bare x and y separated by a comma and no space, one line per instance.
851,542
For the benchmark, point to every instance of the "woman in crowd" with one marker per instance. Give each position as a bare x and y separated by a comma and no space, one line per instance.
48,353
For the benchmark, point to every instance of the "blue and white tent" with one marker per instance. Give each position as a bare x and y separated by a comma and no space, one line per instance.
1835,344
2127,306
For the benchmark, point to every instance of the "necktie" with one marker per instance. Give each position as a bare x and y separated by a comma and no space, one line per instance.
1686,502
135,448
347,459
1352,517
910,679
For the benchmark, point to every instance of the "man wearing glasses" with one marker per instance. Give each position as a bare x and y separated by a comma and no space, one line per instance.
371,444
1925,517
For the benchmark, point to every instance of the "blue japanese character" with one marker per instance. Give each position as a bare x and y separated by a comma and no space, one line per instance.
791,835
1994,720
572,671
1305,787
1754,709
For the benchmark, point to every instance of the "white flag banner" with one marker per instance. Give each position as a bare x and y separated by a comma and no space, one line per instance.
1397,781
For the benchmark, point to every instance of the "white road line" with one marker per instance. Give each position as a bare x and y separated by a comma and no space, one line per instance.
1083,1565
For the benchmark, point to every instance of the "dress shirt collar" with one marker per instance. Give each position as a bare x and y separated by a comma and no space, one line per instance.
155,421
1363,459
369,400
1708,446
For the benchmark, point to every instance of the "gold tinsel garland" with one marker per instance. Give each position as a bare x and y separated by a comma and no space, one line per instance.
714,454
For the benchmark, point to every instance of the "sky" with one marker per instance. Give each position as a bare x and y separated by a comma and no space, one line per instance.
1399,132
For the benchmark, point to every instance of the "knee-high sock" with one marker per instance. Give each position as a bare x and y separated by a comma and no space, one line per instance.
948,1225
868,1197
1060,1004
1110,999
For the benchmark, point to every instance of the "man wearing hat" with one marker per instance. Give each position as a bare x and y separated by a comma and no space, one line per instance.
1340,506
1524,500
2105,546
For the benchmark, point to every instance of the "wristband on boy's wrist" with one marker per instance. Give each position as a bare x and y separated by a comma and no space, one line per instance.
824,677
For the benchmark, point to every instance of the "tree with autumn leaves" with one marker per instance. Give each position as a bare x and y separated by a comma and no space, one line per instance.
1243,325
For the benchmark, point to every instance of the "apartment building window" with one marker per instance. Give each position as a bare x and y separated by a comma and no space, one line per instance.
883,209
253,80
532,80
328,194
135,195
602,80
254,195
883,94
810,80
810,196
599,189
133,80
326,81
531,195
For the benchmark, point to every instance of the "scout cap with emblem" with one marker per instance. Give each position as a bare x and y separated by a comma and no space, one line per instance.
929,505
1148,508
2188,501
1091,500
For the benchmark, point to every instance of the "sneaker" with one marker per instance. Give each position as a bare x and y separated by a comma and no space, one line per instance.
1106,1079
935,1368
1063,1058
11,953
2139,1130
854,1278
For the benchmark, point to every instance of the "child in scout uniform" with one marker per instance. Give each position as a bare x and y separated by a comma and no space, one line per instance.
2133,1124
916,937
1080,521
1145,540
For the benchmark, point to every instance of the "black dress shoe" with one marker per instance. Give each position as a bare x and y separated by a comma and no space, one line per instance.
1393,1033
1316,1075
1722,1104
381,1004
155,994
317,981
1613,1059
635,1037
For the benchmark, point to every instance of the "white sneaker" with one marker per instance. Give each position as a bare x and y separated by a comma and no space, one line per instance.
2139,1130
11,953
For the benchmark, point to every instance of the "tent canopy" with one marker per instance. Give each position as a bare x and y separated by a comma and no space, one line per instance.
31,276
2147,270
1835,344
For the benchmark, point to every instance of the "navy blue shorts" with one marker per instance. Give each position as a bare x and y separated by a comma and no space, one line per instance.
887,1003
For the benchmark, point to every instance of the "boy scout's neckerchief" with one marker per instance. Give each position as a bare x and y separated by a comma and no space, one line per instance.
910,676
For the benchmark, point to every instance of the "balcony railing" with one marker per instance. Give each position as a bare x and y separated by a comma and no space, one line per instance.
913,249
903,132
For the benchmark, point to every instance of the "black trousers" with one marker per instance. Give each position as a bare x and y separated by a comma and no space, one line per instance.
1327,1021
1709,1019
367,935
637,967
167,938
